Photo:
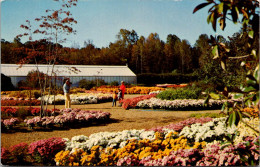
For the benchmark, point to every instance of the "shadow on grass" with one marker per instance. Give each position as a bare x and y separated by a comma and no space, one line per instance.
61,128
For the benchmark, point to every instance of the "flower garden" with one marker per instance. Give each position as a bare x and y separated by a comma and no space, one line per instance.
193,142
65,118
202,141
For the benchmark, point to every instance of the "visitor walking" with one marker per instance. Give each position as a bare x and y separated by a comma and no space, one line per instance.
122,88
66,90
114,99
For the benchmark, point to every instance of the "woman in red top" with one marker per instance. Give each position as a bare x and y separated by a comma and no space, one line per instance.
122,87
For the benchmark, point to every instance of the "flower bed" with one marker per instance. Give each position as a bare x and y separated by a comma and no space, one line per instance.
26,111
183,104
151,148
131,103
72,117
8,123
20,102
132,90
180,125
68,116
171,85
80,98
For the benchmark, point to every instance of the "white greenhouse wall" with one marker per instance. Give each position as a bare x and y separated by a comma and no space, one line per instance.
75,80
88,72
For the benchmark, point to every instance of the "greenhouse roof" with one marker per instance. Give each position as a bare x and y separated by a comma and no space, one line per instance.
67,70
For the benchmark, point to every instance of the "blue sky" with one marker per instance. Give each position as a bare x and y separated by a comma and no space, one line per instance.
101,20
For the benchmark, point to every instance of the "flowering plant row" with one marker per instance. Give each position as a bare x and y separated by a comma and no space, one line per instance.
30,111
161,149
9,123
131,103
20,102
71,116
180,125
15,98
183,104
171,85
132,90
149,148
80,98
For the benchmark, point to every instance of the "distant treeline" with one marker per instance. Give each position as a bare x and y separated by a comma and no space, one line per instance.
142,55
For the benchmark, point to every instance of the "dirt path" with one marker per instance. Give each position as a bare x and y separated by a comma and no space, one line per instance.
121,120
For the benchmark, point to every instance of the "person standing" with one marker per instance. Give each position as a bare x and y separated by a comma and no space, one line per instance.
114,99
122,87
119,95
66,90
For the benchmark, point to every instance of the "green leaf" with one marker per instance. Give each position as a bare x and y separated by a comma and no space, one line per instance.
223,107
256,73
214,96
222,23
243,158
238,117
206,101
220,7
208,18
214,20
215,52
251,34
250,77
251,82
249,89
238,95
246,114
230,119
223,65
247,143
202,5
257,143
237,11
253,52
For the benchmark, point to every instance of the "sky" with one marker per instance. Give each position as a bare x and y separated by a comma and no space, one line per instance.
101,20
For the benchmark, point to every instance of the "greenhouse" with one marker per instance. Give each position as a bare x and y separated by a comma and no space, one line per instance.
74,72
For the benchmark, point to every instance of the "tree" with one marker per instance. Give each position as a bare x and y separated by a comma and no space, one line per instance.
6,83
247,14
172,54
51,27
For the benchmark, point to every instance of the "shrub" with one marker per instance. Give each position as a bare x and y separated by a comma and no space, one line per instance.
182,93
43,151
19,152
86,84
6,84
99,82
37,94
5,156
114,83
23,112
